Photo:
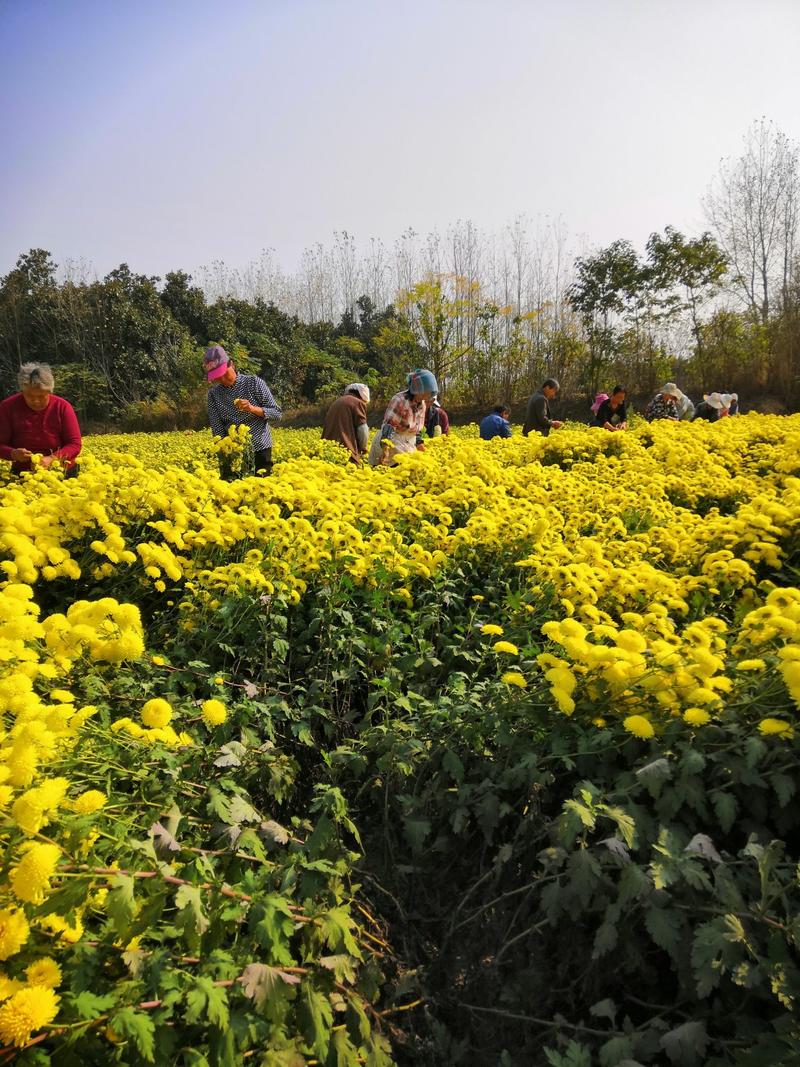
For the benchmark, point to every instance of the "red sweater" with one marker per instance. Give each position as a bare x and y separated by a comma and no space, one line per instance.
53,432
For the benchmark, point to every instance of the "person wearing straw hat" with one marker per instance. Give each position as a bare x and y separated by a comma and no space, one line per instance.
346,421
664,404
713,407
404,420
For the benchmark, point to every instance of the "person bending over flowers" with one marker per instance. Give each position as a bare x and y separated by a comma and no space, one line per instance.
346,421
35,421
613,413
664,404
404,421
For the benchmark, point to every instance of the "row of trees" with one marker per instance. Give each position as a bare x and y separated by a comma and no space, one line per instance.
490,314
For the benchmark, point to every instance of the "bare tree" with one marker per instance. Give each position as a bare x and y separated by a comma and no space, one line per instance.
752,205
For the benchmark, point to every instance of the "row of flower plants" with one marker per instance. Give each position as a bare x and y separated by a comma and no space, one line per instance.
489,757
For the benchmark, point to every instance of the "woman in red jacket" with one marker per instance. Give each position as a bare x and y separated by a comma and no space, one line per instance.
35,421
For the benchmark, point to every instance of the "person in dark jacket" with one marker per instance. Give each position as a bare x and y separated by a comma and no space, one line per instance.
496,423
537,416
437,421
613,413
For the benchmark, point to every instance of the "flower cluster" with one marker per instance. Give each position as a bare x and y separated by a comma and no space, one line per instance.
654,558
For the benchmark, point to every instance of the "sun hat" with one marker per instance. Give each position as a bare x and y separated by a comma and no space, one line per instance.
598,400
672,390
215,362
727,399
715,400
359,388
421,381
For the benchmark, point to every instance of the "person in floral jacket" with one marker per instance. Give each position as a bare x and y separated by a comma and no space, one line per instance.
664,404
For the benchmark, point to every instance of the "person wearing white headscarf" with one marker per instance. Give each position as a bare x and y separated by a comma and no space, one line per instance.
713,407
346,421
685,407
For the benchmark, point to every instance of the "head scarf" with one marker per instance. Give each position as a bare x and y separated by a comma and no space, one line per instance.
421,381
360,390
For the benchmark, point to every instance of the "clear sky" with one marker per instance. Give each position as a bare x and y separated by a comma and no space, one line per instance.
168,133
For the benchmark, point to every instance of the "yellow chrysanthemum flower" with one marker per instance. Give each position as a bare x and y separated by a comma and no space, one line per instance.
45,972
69,933
14,932
696,716
156,713
30,879
514,678
639,726
25,1012
563,699
89,802
22,763
8,986
506,647
751,665
776,728
62,696
492,628
214,712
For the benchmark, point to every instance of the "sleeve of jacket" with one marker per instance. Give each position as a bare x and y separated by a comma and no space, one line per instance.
214,417
70,434
6,448
271,410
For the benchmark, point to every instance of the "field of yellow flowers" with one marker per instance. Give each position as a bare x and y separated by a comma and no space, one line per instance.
489,757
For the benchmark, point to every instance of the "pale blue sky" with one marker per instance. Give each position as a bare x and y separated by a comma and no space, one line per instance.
168,134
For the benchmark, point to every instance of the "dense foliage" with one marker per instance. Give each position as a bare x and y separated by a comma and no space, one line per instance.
486,758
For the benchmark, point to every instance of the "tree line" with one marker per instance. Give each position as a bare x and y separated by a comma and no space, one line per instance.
491,315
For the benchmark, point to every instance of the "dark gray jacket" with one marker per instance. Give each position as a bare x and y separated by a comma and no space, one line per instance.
537,417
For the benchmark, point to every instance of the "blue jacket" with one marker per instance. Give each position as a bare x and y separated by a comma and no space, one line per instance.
494,425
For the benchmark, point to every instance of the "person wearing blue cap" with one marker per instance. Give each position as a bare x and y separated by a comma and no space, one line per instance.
240,399
404,420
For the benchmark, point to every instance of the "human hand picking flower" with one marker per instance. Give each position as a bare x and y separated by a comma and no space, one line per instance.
245,405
